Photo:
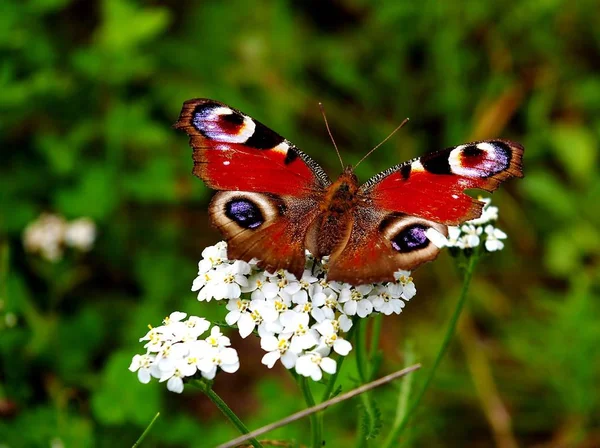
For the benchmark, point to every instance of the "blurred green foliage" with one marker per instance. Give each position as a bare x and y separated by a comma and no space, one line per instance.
89,90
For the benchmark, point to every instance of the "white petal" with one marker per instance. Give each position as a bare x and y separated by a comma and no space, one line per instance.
230,368
342,347
245,325
270,359
269,343
288,359
350,307
175,384
328,365
229,356
144,376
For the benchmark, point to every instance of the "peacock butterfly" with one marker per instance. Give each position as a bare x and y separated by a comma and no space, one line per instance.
274,201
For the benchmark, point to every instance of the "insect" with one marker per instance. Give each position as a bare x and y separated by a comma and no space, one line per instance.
274,201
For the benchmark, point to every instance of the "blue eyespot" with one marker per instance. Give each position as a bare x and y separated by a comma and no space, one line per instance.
410,239
245,213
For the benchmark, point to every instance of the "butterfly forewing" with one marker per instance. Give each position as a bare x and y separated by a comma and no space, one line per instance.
433,186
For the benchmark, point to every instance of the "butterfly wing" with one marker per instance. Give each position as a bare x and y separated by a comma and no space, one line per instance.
433,186
398,206
269,190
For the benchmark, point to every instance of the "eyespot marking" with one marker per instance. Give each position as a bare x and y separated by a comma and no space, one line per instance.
222,124
410,238
483,159
244,212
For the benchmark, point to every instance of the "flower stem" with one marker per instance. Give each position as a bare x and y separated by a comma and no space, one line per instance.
375,335
401,425
146,431
316,423
364,372
362,362
226,410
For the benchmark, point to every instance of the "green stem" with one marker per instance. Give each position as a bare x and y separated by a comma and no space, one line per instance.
362,362
316,428
146,431
405,388
399,428
227,412
375,335
362,365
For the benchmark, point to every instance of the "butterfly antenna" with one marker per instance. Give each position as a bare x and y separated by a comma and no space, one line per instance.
384,140
330,134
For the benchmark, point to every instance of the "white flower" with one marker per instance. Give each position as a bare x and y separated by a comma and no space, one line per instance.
313,364
212,257
174,352
260,287
217,339
454,234
354,300
325,299
228,284
493,238
303,337
385,303
331,339
278,348
489,213
226,359
45,236
142,364
81,234
471,235
408,287
261,314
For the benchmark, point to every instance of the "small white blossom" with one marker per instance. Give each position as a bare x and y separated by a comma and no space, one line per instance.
81,234
384,302
471,234
313,364
354,300
494,237
278,348
175,353
331,339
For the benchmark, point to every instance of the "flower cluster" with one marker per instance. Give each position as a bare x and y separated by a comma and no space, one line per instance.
50,234
174,352
472,233
300,322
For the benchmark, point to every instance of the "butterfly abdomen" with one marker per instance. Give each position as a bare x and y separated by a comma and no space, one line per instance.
334,224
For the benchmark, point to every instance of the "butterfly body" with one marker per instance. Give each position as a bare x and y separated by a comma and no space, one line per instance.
274,201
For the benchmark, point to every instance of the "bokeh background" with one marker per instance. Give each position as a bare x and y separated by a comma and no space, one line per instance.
88,92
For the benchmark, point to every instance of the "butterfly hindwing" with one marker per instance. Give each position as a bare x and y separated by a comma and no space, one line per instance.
380,243
264,226
433,185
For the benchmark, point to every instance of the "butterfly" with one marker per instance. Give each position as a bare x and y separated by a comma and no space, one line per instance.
274,201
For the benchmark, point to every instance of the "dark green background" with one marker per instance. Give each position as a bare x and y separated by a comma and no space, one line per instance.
88,92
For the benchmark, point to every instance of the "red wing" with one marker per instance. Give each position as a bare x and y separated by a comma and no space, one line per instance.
234,152
433,185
